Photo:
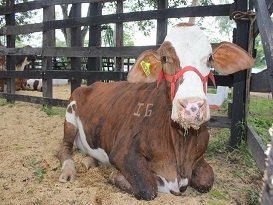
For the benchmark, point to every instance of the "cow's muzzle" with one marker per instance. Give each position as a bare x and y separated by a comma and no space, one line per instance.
191,112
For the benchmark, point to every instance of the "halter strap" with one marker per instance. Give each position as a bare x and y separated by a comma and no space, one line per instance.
173,78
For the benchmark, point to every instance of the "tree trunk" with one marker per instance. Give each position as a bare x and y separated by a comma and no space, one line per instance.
193,3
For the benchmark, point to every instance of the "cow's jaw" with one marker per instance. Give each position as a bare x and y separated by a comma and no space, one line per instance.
190,107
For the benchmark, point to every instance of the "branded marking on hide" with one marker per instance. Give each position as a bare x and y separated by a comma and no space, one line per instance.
146,109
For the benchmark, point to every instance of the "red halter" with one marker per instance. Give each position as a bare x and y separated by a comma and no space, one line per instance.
173,78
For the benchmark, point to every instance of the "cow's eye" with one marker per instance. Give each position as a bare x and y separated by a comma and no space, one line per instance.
164,59
210,57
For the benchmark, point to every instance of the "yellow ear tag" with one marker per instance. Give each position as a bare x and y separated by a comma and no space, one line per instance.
145,67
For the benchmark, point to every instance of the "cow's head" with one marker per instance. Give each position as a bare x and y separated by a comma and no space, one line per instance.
184,59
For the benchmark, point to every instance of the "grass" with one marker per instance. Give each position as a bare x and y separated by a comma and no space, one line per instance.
261,116
50,111
240,164
4,102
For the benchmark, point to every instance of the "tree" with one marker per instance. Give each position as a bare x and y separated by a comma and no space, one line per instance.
21,18
67,13
260,57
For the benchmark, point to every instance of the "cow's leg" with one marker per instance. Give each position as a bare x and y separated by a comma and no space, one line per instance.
89,162
68,172
133,166
202,176
119,180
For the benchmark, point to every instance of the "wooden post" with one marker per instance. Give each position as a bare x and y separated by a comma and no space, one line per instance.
93,63
162,24
76,42
238,122
119,64
48,41
266,28
10,63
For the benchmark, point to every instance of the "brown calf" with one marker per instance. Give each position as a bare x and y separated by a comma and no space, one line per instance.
154,133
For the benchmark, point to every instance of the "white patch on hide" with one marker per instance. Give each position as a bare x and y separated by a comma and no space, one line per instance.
80,140
168,186
30,84
183,182
70,117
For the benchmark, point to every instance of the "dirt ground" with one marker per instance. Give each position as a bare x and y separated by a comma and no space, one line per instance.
29,170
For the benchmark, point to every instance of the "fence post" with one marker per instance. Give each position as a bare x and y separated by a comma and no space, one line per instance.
162,24
266,28
238,115
10,63
93,63
119,64
48,41
76,42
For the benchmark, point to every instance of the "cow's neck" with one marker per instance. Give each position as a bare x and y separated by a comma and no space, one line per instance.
188,147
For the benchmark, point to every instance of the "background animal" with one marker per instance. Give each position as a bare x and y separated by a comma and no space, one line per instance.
32,84
153,133
20,63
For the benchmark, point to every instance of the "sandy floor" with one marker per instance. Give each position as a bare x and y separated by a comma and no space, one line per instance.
29,170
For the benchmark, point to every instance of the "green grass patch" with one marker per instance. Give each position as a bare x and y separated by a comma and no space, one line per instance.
218,194
50,111
38,173
239,162
4,102
218,142
253,195
261,116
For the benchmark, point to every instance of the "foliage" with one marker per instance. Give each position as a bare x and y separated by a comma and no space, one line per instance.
38,173
21,18
260,116
107,38
260,58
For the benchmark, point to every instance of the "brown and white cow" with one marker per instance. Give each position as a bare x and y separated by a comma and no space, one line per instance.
154,133
20,63
32,84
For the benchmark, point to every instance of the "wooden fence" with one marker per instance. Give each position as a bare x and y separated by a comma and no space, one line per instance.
94,52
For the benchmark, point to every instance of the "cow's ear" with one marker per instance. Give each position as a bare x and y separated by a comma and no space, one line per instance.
146,68
228,58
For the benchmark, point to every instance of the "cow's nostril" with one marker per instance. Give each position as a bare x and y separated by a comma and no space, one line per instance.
200,103
183,103
193,108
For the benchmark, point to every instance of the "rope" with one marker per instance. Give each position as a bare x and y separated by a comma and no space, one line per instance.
247,16
244,16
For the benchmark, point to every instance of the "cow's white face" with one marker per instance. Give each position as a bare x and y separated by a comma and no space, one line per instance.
190,107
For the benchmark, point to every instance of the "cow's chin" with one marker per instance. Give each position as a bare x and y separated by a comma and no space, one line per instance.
189,125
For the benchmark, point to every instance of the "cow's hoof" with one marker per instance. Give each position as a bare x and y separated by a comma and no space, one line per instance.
144,195
68,171
89,162
119,180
